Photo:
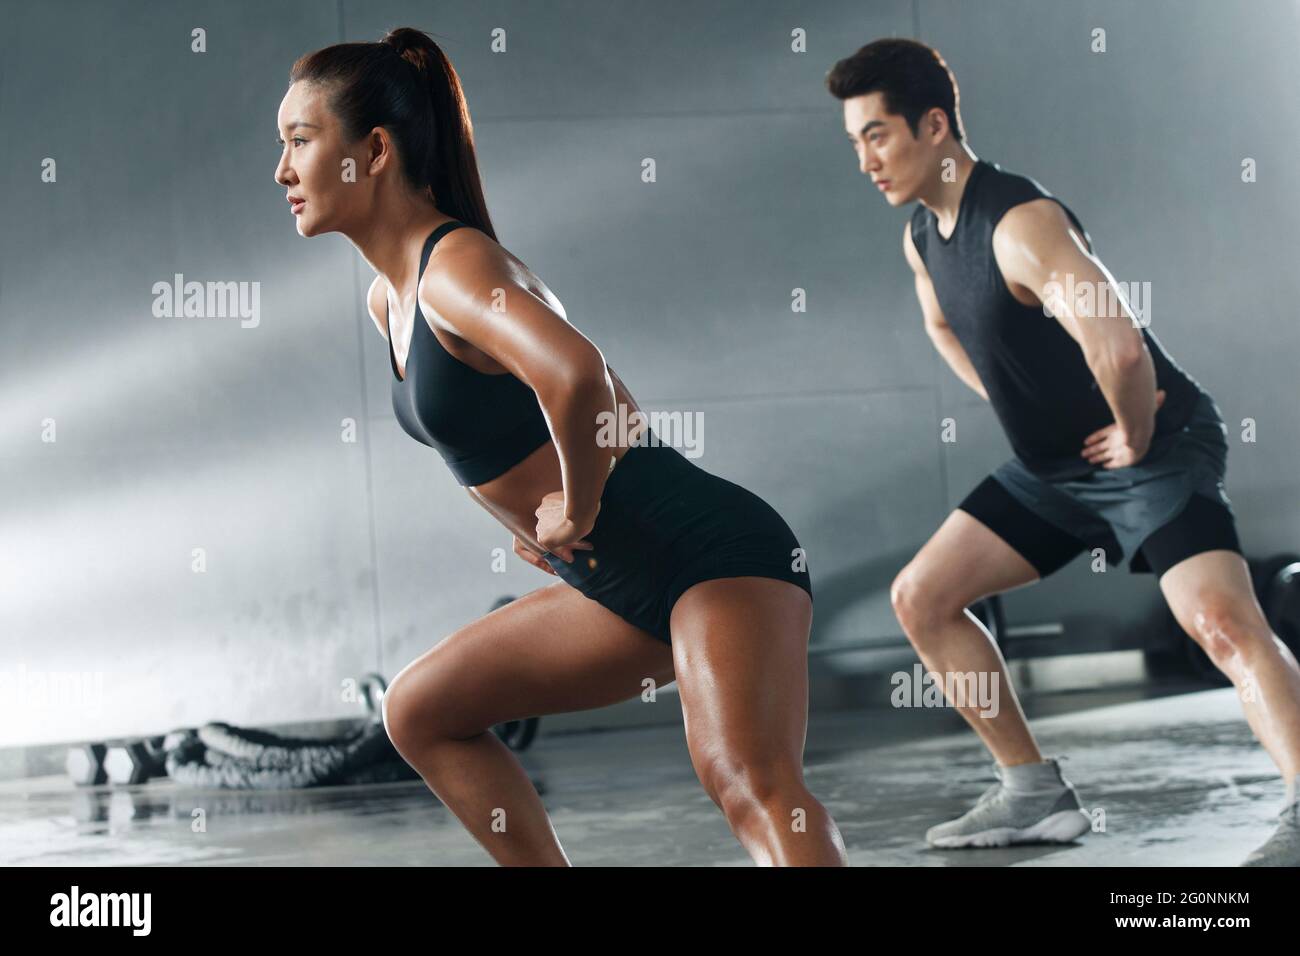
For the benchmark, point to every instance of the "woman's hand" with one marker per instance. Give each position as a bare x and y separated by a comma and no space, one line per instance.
556,533
1110,447
532,557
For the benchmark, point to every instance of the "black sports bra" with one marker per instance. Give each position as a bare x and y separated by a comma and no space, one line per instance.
482,424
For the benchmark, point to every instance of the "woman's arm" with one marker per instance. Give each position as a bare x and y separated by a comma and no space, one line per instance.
480,295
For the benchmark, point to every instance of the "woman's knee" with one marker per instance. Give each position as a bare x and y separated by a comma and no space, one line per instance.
427,701
401,709
744,789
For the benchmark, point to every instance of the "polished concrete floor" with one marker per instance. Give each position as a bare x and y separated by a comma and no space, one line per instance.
1179,778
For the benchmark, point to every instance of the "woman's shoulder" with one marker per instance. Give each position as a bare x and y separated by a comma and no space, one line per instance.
470,261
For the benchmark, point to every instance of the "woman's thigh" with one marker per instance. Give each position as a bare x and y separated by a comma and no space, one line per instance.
551,651
741,651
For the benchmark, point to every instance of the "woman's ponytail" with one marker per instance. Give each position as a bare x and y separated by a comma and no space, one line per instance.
451,166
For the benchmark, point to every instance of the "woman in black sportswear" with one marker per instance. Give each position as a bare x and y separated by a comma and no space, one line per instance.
667,572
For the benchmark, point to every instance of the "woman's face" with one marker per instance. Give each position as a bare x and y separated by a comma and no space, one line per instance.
313,165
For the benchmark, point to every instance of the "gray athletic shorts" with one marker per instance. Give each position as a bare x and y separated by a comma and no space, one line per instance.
1169,506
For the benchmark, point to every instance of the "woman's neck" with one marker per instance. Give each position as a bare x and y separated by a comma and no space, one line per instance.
386,239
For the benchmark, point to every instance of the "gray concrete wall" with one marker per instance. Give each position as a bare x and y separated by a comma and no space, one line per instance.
230,524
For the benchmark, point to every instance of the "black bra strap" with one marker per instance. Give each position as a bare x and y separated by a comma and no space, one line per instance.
432,241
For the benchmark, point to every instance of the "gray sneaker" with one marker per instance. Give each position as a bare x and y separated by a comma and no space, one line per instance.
1283,847
1003,816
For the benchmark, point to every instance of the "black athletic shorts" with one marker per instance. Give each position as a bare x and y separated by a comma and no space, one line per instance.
666,524
1169,506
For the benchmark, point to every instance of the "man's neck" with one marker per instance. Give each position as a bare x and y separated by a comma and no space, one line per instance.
943,197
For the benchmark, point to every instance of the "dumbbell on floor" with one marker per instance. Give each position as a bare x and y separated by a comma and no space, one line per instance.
85,765
120,762
135,761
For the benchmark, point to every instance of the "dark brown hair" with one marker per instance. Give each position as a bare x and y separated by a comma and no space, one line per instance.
406,84
912,76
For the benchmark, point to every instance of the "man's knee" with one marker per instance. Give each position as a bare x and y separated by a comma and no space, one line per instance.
1224,628
919,603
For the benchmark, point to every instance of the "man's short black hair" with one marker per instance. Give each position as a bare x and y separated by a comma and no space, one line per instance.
912,76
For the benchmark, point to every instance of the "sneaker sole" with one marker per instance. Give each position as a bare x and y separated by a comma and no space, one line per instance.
1063,827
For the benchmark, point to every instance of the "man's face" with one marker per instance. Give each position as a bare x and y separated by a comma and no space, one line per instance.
897,162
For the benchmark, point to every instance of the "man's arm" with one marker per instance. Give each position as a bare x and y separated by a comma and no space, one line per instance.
940,332
1038,248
